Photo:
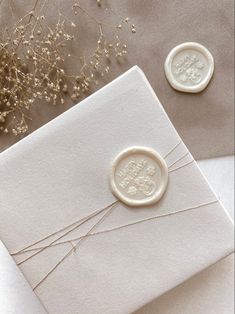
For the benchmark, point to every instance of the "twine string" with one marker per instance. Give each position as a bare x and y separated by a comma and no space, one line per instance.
174,148
89,233
181,158
133,223
84,218
74,226
64,228
74,247
62,236
186,164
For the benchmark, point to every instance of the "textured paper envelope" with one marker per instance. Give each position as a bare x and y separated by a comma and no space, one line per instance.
59,174
205,120
216,286
16,296
210,292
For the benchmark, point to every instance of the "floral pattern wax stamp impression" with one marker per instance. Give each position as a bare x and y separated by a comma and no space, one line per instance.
139,176
189,67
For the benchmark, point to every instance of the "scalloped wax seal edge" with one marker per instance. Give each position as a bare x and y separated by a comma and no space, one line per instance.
164,176
181,87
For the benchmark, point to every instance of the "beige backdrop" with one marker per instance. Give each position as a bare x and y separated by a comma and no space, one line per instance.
204,120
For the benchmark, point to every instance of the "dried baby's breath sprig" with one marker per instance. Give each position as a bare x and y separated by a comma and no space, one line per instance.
32,64
16,86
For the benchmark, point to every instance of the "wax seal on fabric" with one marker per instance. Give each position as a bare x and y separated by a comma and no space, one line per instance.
189,67
139,176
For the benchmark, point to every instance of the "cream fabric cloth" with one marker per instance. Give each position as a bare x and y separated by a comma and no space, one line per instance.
204,120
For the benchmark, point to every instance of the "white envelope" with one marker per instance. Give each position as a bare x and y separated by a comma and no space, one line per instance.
16,296
59,174
210,292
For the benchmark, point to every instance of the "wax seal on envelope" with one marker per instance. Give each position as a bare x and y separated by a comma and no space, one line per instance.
189,67
139,176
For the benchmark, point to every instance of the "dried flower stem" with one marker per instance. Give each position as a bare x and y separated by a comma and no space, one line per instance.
32,64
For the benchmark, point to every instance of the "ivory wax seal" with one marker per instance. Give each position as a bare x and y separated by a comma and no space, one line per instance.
139,176
189,67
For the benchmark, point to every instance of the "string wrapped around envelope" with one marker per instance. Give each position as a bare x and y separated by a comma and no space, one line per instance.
138,177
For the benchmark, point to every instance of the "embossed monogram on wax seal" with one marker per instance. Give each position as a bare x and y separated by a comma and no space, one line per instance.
189,67
139,176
